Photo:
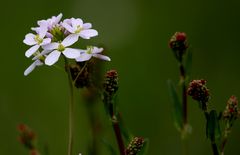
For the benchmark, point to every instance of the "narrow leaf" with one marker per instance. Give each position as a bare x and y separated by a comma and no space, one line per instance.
177,107
145,147
213,130
109,147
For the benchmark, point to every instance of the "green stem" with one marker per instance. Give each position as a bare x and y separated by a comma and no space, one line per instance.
70,136
214,148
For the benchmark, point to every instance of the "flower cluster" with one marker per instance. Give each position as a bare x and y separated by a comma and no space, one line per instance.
178,43
231,112
135,146
53,39
199,92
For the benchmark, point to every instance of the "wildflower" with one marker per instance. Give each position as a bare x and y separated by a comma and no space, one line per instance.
199,92
92,51
178,43
59,48
76,26
231,111
36,40
51,22
135,146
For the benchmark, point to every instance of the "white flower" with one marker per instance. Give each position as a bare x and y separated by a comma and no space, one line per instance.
51,22
92,51
76,26
38,61
59,48
36,40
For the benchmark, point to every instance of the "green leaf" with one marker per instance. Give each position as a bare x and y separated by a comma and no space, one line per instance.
213,130
145,147
188,62
177,107
109,147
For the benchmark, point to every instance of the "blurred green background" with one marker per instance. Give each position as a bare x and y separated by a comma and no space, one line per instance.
136,34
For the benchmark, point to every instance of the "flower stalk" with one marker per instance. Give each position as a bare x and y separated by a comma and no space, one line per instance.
70,113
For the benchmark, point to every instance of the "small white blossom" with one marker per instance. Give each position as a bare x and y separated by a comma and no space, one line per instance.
51,22
76,26
92,51
36,40
38,61
58,48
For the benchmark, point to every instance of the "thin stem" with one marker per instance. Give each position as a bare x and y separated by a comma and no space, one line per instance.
118,135
70,136
82,69
184,92
214,148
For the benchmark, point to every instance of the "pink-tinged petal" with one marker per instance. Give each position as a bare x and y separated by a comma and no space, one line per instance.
29,39
51,46
43,30
68,27
84,57
87,34
52,58
71,53
97,50
87,26
58,18
102,57
76,22
31,51
46,41
69,40
30,69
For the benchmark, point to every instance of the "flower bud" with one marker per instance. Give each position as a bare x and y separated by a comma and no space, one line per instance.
111,82
135,146
178,43
199,92
231,111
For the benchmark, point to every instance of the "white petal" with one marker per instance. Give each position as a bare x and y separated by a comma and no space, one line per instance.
46,41
51,46
30,69
69,40
87,26
43,30
97,50
52,58
31,51
76,22
84,57
102,57
58,18
71,53
87,34
29,39
68,27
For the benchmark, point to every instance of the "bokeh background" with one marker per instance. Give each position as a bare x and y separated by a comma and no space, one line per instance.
136,34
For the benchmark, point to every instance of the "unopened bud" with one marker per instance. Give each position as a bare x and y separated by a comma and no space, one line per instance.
199,92
111,82
178,43
231,111
135,146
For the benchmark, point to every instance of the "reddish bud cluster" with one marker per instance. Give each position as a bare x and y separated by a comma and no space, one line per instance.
111,82
135,146
199,92
231,111
178,42
27,136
